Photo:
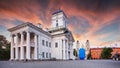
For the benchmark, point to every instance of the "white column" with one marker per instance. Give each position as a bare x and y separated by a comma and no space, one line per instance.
64,56
67,49
71,50
60,48
22,50
12,51
39,47
28,46
35,52
16,48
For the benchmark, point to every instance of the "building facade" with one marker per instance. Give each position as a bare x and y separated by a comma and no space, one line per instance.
33,43
96,53
97,50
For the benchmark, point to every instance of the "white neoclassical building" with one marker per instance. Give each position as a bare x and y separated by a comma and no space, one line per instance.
33,43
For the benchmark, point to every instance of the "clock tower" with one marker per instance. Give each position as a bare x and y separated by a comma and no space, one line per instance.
62,38
59,19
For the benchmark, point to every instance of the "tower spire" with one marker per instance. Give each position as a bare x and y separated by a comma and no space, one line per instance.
59,9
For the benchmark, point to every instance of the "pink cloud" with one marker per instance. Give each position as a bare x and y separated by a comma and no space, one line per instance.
31,11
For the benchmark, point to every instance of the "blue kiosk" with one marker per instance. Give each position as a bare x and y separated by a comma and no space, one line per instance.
81,53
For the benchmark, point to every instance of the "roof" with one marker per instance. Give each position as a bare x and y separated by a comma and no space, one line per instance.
72,36
19,26
66,31
96,48
58,11
109,43
30,25
54,29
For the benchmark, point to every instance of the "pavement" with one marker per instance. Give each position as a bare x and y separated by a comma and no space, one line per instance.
61,64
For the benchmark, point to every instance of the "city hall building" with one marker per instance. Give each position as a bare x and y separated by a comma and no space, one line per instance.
31,42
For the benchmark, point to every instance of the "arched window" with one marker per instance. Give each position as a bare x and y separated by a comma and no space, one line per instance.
56,24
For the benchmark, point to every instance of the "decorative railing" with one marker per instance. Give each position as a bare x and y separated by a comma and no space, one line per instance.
13,44
32,43
19,43
24,42
55,28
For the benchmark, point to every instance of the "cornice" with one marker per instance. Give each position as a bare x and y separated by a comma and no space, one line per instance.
30,25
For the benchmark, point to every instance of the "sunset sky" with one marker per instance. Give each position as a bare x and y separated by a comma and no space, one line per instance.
95,20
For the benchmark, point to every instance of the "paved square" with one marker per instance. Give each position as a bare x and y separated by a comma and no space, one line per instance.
61,64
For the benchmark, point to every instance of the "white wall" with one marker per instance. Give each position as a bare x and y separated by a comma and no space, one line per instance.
61,20
57,52
42,48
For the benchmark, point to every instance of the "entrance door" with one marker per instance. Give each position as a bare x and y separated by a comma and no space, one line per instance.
32,53
68,55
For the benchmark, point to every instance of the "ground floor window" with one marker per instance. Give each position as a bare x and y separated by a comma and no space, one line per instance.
46,43
49,55
46,55
43,55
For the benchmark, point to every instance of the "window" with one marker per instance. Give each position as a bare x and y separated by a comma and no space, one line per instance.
49,55
43,54
56,20
65,43
62,44
56,24
46,55
43,42
56,44
47,43
69,46
62,54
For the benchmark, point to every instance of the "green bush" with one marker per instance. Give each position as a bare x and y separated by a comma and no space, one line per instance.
106,53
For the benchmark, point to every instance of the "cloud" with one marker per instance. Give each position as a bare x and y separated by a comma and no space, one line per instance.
21,10
86,17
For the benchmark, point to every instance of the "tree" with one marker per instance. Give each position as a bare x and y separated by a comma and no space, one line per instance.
89,55
75,53
3,41
4,53
106,53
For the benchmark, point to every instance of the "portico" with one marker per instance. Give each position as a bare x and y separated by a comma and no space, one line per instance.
24,45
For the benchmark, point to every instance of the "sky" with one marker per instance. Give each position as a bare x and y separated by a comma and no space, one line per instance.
95,20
